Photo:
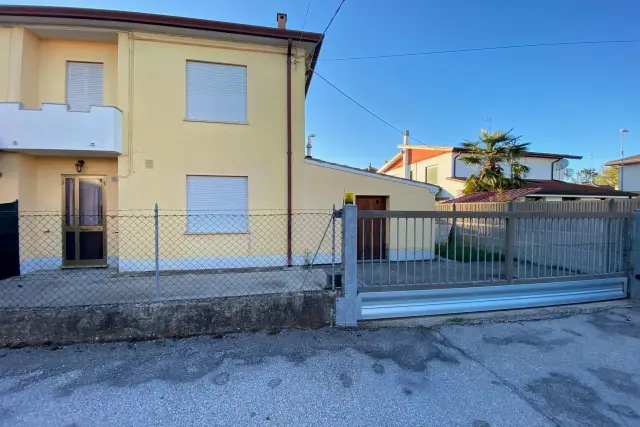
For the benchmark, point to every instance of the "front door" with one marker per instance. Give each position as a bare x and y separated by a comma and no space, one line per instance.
372,233
84,228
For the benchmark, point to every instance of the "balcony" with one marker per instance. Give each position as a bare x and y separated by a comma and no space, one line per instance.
55,130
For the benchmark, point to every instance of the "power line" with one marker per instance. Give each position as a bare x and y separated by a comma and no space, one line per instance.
478,49
326,28
333,17
304,24
365,108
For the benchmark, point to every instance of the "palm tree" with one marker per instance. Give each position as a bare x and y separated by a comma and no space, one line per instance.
488,155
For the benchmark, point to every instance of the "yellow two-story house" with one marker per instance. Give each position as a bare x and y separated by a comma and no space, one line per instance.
105,113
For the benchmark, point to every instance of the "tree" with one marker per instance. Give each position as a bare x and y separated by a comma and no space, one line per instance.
607,176
488,154
581,176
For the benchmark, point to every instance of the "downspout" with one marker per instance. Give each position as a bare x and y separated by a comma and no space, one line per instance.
553,163
289,178
454,163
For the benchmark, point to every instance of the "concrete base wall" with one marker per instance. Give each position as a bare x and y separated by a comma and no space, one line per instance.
166,320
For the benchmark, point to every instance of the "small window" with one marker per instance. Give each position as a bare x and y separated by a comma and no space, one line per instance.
431,175
84,85
216,92
217,204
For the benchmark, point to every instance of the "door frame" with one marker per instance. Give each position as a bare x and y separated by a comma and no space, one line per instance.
77,228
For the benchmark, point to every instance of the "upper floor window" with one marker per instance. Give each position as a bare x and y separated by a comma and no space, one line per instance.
431,175
216,92
84,85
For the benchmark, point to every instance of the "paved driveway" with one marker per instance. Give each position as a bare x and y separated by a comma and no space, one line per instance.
581,370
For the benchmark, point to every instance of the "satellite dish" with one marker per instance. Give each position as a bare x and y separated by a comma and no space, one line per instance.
562,164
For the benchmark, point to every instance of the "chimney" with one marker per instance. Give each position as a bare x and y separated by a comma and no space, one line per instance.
282,21
309,146
406,162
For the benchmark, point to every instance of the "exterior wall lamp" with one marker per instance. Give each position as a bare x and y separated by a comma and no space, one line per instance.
79,165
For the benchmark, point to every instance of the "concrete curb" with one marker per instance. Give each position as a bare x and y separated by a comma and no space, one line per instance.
123,322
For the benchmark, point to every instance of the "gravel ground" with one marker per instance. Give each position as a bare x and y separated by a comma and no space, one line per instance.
577,370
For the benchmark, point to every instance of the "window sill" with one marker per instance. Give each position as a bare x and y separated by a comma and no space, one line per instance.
214,121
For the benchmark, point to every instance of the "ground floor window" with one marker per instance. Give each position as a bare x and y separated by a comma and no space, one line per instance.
217,204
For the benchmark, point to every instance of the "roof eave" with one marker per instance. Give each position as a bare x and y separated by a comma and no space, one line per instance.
312,65
137,18
385,166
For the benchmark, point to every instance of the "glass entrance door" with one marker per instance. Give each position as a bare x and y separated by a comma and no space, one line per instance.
84,234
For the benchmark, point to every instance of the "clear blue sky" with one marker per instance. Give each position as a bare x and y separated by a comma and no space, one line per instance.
561,99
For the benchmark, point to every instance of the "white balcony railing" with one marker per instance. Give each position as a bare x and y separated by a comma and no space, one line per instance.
59,131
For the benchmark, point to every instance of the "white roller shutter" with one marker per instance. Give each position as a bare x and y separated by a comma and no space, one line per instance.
217,204
216,92
84,85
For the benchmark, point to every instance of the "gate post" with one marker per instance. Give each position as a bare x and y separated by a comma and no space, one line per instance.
633,249
510,241
347,306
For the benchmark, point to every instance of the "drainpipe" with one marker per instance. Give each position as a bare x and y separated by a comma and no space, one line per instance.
454,163
289,178
552,164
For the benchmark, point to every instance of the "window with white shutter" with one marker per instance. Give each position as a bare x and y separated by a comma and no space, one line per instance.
217,204
431,174
84,85
216,92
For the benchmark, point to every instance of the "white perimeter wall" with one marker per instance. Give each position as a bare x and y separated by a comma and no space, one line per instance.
631,177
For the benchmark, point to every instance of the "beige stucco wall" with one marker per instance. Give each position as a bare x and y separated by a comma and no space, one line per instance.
40,192
5,63
145,76
30,69
54,55
11,51
322,186
9,182
179,147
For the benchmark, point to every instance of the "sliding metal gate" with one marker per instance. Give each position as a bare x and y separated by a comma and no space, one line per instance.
455,262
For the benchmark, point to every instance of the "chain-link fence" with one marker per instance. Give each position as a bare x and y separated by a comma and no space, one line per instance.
125,257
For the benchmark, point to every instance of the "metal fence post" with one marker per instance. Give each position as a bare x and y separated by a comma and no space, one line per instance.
347,306
157,250
333,248
510,228
633,254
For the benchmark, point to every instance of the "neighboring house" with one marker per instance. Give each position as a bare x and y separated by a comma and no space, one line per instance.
631,166
443,166
107,110
546,190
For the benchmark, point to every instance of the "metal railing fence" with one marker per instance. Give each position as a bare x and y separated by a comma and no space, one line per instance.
610,205
146,256
440,248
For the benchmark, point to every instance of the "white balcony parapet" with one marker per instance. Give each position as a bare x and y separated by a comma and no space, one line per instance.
55,129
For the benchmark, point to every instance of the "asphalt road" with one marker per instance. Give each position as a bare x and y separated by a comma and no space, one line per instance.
580,370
